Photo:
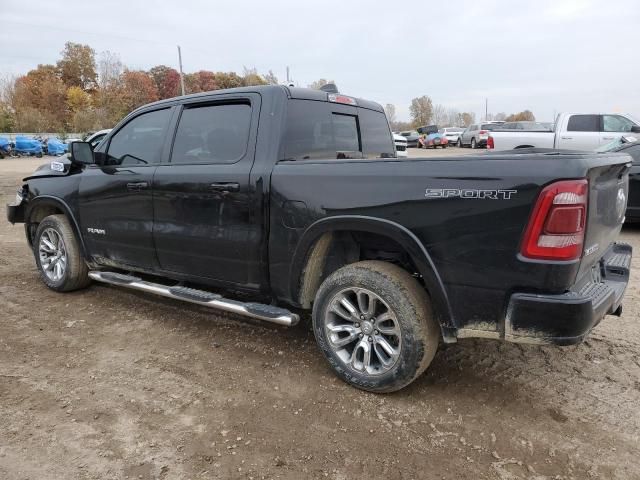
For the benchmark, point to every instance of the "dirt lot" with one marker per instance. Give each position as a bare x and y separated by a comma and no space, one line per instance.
110,384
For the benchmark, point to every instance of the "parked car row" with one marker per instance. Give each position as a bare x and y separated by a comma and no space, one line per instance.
38,146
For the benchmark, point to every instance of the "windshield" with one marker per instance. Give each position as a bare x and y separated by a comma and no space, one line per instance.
614,145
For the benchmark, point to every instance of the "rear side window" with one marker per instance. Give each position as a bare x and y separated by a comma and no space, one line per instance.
376,136
584,123
212,134
140,141
316,131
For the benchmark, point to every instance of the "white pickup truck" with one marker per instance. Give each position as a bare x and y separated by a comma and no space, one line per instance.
573,131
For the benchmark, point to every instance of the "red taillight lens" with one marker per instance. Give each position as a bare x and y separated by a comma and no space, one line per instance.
557,224
482,132
490,143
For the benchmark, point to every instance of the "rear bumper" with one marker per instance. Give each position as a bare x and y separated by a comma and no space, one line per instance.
567,318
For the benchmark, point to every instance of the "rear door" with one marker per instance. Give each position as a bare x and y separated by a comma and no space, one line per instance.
582,132
613,127
204,222
115,197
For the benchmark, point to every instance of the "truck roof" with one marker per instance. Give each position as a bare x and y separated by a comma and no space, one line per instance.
291,92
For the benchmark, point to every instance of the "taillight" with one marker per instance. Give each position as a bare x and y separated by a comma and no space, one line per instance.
482,132
490,143
557,224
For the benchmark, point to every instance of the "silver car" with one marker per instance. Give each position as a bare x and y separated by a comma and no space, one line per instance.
476,135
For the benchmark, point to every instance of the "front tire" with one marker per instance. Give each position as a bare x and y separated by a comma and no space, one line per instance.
58,256
459,143
473,143
374,324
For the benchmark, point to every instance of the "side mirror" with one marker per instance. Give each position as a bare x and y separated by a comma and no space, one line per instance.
635,128
81,153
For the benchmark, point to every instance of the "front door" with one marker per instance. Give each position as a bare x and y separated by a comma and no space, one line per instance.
115,196
206,221
614,127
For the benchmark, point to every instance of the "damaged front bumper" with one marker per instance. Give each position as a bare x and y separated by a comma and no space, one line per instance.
567,318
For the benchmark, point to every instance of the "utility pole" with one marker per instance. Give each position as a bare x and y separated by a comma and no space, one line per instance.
287,74
181,74
486,109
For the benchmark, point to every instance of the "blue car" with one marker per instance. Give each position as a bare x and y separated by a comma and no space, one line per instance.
56,146
28,146
5,147
430,138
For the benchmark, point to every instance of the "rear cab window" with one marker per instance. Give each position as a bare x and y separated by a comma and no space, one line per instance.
325,130
584,123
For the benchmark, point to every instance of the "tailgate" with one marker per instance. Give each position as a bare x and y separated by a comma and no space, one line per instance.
608,193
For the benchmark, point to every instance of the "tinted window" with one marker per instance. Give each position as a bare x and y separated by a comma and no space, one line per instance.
616,123
490,126
140,141
376,137
212,134
97,139
315,131
584,123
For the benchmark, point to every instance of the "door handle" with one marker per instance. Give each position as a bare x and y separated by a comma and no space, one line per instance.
567,138
607,138
225,187
137,185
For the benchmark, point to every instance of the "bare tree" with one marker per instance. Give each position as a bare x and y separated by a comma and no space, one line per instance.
525,116
110,69
421,110
500,116
467,118
320,83
453,118
439,116
271,78
390,111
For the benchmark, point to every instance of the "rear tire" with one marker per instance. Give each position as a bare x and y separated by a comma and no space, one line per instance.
58,256
379,345
473,143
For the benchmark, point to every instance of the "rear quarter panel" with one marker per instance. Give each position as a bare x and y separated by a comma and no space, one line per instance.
473,242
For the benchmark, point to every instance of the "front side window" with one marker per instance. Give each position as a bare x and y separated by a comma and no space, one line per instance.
376,137
584,123
616,123
315,131
212,134
140,141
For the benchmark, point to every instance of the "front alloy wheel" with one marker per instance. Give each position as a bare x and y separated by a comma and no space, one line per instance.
53,254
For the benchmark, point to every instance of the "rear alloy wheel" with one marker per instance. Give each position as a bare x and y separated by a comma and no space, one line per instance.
373,322
473,143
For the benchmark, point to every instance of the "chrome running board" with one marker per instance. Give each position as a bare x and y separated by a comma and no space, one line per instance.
267,313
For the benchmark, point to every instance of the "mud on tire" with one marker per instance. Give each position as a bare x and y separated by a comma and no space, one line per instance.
414,333
58,256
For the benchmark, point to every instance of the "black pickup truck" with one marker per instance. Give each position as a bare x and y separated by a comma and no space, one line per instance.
295,199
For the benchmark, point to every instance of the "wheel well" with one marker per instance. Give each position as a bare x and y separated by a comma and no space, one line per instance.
36,215
335,249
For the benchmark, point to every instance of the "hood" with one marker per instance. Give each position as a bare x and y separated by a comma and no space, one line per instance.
59,167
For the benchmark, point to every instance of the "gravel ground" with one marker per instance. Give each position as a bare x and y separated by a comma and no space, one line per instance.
109,384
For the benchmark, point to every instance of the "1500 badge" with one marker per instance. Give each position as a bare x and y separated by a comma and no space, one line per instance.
469,193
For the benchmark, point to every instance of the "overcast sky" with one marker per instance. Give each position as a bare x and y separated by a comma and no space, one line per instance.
545,56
